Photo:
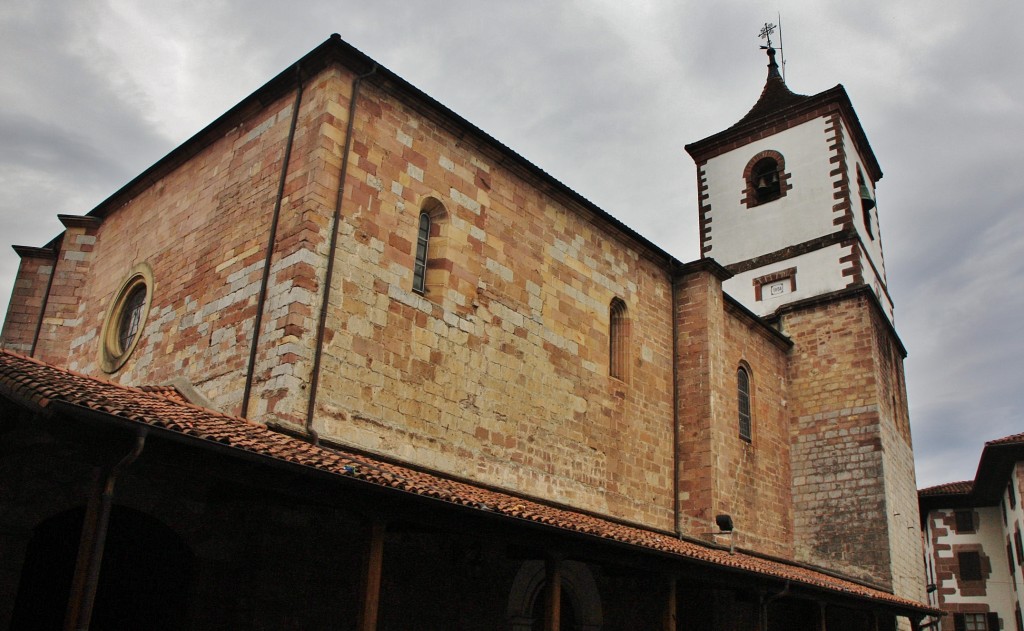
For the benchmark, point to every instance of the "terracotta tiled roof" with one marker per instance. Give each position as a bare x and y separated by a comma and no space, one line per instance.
36,385
949,488
1007,440
169,392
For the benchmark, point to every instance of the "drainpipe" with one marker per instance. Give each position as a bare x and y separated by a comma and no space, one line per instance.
676,507
314,380
94,540
271,239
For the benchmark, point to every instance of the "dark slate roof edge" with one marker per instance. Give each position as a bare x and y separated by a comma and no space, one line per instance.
835,94
336,50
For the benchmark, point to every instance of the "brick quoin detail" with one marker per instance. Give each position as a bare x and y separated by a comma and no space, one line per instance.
855,269
704,211
842,208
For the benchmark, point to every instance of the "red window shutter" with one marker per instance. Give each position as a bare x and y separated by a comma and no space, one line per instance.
993,621
958,622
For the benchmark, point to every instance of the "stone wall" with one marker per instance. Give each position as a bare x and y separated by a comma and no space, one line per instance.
719,471
27,298
840,518
203,228
499,372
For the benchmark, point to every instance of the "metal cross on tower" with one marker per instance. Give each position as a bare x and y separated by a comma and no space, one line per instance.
766,33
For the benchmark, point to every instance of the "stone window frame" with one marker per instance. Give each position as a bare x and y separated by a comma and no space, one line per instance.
1018,544
969,567
979,621
113,351
774,277
750,196
744,402
964,520
430,264
618,339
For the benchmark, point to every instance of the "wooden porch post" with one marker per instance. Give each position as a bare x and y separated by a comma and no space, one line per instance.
671,604
371,577
553,594
823,625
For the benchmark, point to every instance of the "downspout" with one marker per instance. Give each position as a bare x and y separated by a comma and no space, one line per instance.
314,379
271,239
87,570
676,504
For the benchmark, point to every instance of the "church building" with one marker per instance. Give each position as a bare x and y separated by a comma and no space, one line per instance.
343,360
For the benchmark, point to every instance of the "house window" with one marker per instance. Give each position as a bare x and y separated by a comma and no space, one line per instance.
976,621
419,275
126,318
1012,495
970,566
1017,543
964,521
765,178
618,339
743,400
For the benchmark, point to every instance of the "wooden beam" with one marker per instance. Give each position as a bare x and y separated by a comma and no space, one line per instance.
84,560
671,604
553,594
372,573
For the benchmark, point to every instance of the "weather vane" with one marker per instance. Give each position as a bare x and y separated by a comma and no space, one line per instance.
766,33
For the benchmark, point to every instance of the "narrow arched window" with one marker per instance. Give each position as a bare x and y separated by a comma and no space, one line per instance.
743,399
765,180
419,274
618,340
866,201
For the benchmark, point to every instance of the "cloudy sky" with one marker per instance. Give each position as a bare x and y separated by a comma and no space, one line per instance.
602,94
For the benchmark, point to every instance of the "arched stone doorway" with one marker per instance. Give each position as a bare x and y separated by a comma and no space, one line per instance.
581,601
144,579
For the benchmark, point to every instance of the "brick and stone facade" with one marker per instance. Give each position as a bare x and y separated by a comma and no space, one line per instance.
282,242
972,541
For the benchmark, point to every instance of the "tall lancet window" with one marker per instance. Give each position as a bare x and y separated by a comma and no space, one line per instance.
618,340
419,273
743,399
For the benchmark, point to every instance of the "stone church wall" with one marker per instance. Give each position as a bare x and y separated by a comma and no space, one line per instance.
849,475
203,228
719,471
500,371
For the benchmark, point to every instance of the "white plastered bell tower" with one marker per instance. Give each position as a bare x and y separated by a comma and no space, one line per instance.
787,200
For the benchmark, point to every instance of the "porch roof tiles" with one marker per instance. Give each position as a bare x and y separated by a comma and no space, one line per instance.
36,385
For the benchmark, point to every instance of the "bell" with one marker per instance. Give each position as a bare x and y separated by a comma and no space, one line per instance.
762,184
865,197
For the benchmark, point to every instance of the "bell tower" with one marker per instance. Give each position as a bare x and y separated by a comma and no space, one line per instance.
787,205
787,201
